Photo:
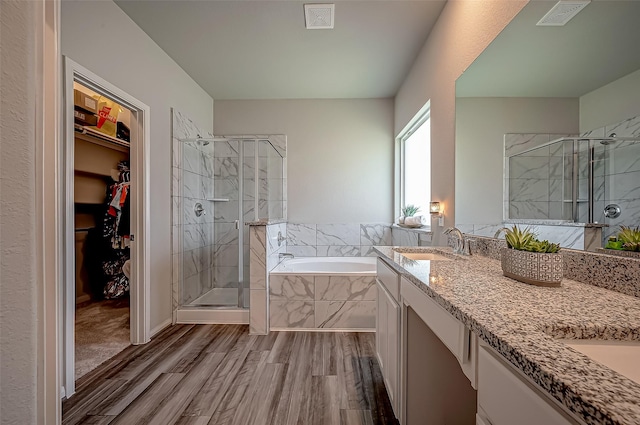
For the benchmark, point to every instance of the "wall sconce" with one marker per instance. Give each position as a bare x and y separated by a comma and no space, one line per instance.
437,210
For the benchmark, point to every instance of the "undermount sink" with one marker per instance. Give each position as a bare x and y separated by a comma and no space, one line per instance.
621,356
431,256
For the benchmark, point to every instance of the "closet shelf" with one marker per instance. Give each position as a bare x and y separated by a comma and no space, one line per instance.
93,136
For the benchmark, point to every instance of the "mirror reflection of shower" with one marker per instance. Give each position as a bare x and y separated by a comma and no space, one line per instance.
573,179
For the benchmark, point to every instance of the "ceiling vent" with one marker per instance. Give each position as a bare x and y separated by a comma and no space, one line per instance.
319,16
562,13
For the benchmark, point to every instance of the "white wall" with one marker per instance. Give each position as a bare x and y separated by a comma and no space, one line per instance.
18,292
462,32
480,126
131,61
339,154
612,103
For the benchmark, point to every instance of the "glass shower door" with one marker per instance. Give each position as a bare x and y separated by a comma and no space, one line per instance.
225,251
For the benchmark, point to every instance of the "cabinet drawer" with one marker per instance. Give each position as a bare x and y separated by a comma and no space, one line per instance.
507,398
390,279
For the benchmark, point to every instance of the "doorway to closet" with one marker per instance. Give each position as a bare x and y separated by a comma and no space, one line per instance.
105,301
102,223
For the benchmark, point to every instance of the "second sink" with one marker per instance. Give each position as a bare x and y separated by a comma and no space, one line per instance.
431,256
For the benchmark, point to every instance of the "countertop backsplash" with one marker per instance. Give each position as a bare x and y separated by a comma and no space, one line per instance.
618,274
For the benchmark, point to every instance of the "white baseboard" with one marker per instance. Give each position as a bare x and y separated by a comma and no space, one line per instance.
162,326
367,330
212,316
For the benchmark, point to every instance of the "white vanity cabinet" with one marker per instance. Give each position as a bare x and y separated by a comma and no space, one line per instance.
388,330
506,397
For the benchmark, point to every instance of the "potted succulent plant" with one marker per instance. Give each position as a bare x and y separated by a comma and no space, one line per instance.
630,238
407,211
529,260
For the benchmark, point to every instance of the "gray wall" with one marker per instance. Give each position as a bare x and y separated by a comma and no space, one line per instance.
612,103
480,127
18,290
462,32
339,153
134,63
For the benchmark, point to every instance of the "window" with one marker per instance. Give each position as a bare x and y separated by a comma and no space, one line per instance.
415,163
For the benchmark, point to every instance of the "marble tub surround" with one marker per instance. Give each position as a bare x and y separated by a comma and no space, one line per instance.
523,323
337,240
264,256
620,274
322,302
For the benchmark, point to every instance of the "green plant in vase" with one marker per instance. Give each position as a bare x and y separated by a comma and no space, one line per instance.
630,238
410,210
525,240
530,260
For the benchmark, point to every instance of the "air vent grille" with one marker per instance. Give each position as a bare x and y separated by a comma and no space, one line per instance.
319,16
562,12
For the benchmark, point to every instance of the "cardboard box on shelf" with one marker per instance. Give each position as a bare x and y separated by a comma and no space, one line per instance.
85,102
108,111
84,118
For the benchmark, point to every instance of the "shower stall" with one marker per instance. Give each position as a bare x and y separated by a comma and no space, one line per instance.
220,184
576,179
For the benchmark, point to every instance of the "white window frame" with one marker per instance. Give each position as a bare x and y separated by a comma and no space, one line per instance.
423,115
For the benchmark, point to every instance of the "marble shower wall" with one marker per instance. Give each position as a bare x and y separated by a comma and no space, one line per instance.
267,198
192,237
535,179
226,212
336,240
617,175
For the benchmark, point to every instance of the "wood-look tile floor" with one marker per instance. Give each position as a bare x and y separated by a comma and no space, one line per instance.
219,374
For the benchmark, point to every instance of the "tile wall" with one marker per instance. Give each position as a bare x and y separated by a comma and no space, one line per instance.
264,256
617,175
336,240
322,302
192,237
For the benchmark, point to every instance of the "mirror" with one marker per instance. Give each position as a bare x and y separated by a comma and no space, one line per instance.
534,113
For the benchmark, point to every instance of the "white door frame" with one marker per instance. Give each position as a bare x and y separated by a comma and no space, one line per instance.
140,214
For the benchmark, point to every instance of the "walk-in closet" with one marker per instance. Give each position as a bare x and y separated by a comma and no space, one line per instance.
102,228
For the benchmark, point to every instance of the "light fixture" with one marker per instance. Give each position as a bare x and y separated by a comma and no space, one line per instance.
437,210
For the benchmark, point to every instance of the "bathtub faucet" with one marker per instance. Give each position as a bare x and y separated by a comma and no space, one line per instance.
284,255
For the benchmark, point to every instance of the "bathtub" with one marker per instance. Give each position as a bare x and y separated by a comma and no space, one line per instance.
337,266
323,293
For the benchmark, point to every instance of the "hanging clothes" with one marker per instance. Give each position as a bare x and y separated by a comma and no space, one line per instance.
116,230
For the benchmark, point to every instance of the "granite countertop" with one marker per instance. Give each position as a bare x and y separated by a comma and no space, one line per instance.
524,323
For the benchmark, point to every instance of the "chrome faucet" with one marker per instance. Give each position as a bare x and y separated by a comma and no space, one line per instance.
461,245
283,255
502,229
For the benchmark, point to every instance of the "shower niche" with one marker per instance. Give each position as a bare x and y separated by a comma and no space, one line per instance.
219,185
